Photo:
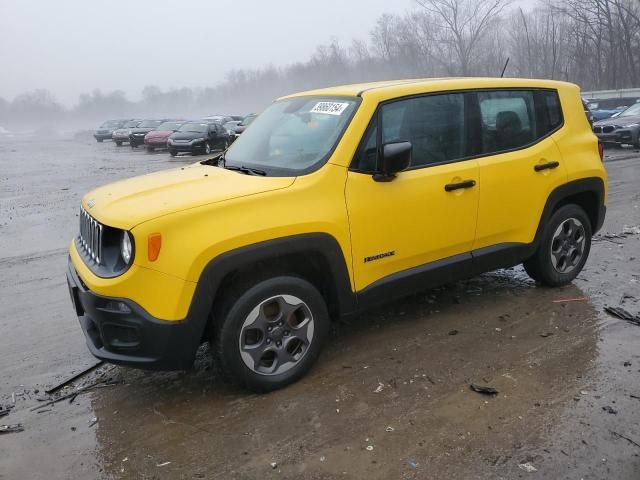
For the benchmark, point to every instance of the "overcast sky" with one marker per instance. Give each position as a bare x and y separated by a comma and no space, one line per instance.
73,46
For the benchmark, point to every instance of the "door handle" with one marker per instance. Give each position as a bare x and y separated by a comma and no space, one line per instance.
450,187
546,166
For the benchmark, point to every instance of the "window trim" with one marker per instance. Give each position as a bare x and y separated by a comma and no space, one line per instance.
471,110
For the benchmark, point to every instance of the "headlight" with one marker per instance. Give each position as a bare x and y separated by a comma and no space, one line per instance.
169,141
196,140
126,247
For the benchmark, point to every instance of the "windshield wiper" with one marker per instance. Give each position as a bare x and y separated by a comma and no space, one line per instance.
245,170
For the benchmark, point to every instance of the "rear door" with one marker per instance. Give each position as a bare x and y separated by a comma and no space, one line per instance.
520,164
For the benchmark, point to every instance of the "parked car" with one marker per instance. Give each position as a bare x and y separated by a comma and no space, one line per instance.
221,119
137,134
335,201
237,118
104,131
158,138
231,127
624,128
121,135
198,137
242,126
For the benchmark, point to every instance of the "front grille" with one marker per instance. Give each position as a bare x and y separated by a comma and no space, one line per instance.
90,236
597,129
608,129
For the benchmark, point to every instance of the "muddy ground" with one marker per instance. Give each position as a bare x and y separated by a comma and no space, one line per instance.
389,397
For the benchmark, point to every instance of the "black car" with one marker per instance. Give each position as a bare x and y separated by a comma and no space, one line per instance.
198,137
136,136
623,128
104,131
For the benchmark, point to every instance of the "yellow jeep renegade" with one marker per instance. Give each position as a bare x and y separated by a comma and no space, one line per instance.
332,201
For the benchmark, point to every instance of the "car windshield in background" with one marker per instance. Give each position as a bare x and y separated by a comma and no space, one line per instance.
246,121
132,124
150,123
194,127
169,126
293,135
110,124
633,110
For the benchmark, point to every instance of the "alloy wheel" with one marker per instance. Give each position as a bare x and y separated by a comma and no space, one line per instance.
568,245
276,335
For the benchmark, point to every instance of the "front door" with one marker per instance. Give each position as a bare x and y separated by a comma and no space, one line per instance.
428,212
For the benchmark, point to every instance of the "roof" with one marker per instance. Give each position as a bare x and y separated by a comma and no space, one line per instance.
397,88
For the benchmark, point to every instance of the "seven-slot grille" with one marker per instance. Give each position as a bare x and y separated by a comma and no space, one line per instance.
90,235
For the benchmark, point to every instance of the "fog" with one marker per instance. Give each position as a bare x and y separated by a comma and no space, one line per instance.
75,63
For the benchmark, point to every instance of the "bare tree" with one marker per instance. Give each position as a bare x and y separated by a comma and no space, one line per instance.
463,22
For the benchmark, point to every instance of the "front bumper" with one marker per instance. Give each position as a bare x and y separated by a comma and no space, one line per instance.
186,147
136,139
619,136
102,136
120,331
156,142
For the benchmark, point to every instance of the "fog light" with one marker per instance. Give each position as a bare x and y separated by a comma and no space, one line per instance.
116,306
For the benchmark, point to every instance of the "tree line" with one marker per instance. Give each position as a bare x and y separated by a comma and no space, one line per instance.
594,43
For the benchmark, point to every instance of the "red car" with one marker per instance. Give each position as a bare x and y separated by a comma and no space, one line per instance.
158,138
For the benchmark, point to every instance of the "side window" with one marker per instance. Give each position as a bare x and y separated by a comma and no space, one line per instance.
507,119
434,124
552,111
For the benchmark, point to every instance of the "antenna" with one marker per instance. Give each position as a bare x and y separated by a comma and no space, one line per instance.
505,67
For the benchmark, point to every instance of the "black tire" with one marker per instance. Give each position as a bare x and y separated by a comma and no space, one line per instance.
118,143
231,317
99,140
173,153
150,149
541,266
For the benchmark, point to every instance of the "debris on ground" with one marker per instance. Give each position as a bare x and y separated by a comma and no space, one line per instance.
369,448
379,388
389,429
546,334
274,465
610,409
623,314
72,379
570,300
164,464
483,389
631,230
527,467
94,420
11,428
619,435
5,410
454,332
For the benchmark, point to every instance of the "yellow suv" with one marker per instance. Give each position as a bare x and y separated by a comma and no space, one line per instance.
333,201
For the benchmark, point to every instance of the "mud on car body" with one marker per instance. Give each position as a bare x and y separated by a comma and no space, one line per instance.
334,201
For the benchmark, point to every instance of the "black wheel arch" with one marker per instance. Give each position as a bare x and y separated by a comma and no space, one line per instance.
316,257
588,193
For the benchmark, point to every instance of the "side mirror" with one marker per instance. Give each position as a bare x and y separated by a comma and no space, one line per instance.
396,157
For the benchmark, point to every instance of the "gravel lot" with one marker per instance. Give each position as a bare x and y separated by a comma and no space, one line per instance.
390,395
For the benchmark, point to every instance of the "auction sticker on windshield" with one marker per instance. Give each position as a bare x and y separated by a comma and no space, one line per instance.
330,108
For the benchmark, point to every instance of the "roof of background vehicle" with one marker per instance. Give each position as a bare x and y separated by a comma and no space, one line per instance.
398,88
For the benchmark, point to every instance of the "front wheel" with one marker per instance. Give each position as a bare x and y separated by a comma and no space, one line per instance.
269,336
99,140
173,153
118,143
563,249
150,149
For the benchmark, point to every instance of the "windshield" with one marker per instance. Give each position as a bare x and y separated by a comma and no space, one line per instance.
246,121
631,111
110,124
293,135
131,124
169,126
194,127
150,123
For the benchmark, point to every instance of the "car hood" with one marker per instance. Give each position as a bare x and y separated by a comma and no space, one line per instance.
121,131
188,135
619,121
158,134
141,130
130,202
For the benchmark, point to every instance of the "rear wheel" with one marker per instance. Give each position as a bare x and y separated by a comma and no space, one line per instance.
564,248
99,140
118,143
150,148
269,335
173,153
